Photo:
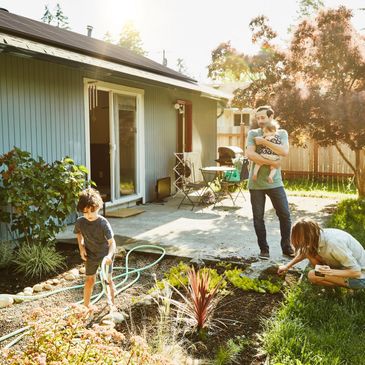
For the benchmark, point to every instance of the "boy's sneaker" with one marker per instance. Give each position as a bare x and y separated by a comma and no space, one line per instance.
289,252
264,255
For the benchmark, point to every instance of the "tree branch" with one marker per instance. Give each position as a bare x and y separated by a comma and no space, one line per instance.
345,158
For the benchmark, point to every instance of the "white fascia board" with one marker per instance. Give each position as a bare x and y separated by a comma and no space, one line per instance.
31,46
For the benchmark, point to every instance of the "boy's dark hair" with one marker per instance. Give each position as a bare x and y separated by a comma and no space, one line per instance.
269,110
89,198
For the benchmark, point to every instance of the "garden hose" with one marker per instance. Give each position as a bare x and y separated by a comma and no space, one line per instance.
103,273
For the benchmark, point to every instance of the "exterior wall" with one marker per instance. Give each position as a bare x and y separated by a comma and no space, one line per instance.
42,111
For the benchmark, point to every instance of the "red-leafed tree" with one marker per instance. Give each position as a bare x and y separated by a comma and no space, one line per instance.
317,85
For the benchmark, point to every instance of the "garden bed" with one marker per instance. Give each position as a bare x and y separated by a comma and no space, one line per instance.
240,312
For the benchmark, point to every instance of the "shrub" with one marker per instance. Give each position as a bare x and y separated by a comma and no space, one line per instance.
6,253
37,260
350,217
40,196
60,339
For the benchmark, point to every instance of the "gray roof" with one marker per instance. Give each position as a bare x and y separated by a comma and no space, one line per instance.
65,39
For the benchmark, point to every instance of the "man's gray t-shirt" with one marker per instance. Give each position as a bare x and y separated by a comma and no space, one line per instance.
96,235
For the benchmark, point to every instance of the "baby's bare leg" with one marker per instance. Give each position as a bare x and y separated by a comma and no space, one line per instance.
255,171
270,178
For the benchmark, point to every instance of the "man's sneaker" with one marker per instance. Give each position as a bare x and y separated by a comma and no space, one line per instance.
289,252
264,255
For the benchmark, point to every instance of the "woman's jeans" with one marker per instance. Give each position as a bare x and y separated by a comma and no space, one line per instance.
280,203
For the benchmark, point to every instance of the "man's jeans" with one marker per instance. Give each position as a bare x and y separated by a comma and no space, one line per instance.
280,203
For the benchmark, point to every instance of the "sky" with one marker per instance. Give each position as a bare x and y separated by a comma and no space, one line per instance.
188,29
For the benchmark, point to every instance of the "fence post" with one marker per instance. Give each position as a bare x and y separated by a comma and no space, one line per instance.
315,158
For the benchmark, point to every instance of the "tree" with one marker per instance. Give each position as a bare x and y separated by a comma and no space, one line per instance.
59,18
317,85
108,38
180,64
309,7
131,39
47,16
324,92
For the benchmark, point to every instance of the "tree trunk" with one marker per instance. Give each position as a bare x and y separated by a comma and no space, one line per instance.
358,169
360,172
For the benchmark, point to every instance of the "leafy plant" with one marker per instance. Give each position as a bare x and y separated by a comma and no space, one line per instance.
228,353
59,339
37,196
245,283
200,301
350,216
37,260
6,253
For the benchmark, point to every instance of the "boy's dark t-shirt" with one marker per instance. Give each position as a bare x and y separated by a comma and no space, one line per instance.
96,235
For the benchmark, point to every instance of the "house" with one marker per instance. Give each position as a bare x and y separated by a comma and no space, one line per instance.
233,123
121,115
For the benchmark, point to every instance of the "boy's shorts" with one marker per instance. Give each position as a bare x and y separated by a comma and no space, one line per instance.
356,283
91,266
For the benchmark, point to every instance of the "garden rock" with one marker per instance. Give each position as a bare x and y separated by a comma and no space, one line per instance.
75,272
48,287
261,270
69,277
37,288
6,300
120,252
28,291
82,270
55,282
17,299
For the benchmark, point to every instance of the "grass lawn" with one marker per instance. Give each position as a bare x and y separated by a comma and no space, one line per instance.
317,326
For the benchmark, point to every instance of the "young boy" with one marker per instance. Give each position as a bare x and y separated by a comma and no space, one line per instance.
95,239
269,131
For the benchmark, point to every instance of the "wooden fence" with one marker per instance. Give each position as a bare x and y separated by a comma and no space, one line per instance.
312,161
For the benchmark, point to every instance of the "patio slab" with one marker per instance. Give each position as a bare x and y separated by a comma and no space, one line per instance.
205,233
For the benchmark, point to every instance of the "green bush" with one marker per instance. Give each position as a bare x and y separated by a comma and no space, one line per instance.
6,253
350,217
37,260
38,197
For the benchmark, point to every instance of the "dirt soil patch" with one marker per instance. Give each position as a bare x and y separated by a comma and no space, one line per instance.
242,311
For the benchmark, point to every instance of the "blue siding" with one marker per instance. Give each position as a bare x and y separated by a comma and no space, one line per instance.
42,109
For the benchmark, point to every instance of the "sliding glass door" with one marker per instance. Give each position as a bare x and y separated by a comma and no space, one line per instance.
125,132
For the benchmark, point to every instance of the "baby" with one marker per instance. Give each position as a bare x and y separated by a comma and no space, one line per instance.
271,135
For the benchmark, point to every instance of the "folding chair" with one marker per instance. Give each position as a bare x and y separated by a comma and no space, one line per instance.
238,184
189,185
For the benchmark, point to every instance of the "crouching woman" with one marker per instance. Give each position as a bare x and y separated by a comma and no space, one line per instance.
338,258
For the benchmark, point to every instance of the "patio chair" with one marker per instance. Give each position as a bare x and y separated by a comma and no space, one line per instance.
189,186
243,176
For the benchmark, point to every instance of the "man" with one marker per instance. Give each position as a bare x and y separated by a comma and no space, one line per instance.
260,186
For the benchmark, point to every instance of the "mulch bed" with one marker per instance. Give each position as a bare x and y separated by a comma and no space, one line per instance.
242,311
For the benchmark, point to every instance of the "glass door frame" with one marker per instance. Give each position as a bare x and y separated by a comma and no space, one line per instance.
113,89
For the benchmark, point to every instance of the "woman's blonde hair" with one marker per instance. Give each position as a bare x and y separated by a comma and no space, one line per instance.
305,234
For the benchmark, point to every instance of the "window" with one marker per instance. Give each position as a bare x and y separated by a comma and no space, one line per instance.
245,119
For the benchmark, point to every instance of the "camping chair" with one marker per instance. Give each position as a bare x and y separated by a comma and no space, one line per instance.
189,186
230,181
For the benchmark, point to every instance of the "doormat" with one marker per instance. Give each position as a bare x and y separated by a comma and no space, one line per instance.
124,212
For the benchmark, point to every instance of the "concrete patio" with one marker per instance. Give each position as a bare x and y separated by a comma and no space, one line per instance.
205,233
